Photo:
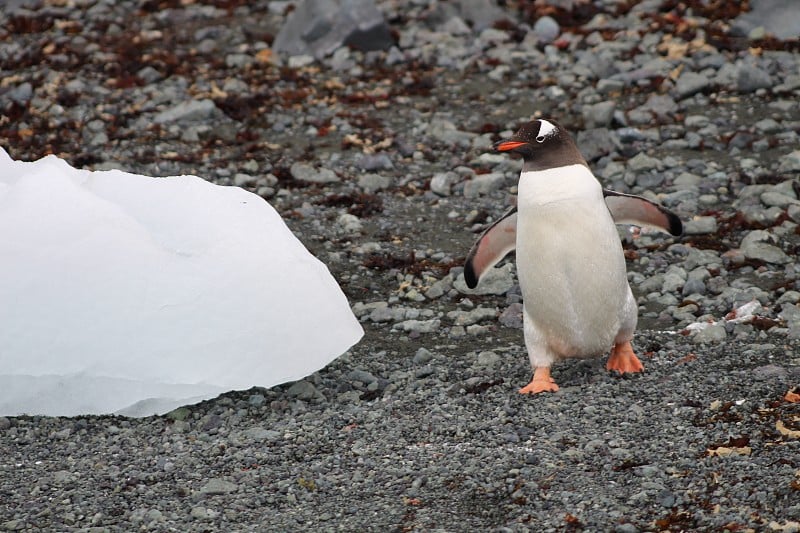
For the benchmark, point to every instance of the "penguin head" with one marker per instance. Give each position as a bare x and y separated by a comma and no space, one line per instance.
542,144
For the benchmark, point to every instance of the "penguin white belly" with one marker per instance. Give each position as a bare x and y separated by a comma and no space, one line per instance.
571,268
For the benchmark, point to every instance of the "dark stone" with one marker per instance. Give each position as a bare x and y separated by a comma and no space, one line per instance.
596,143
319,27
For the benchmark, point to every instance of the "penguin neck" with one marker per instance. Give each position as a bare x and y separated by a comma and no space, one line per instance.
566,183
555,155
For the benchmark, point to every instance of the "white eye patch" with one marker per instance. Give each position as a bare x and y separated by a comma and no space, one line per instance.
545,130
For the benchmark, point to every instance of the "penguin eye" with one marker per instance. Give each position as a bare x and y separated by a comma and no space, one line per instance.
540,139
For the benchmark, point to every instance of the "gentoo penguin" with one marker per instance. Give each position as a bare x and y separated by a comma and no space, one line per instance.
570,263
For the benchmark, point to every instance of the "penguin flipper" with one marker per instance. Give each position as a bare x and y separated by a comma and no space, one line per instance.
639,211
493,244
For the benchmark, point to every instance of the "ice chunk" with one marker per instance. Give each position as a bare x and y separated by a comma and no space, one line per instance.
118,289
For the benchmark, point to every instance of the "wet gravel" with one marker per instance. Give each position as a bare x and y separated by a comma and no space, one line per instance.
380,162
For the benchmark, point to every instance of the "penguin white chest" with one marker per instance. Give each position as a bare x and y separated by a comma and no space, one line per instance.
570,262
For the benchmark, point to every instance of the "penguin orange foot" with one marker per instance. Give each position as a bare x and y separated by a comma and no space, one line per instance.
541,382
623,360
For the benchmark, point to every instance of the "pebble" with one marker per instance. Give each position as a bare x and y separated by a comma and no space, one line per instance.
467,318
442,182
305,172
756,245
711,334
599,115
303,390
700,226
496,281
216,486
691,83
422,356
546,29
372,183
191,111
483,184
750,78
487,359
790,162
596,142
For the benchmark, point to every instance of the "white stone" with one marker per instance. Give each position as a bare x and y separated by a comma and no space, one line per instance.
119,289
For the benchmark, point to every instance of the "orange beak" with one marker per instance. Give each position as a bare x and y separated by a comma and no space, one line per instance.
505,146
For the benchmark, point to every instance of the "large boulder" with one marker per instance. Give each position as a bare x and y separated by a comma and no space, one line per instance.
319,27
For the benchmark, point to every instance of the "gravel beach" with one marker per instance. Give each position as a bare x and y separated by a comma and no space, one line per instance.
372,138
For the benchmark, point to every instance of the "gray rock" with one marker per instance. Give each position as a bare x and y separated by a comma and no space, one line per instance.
483,184
199,512
776,17
473,316
191,111
487,359
665,498
649,180
700,225
750,78
304,172
361,375
349,224
259,433
511,317
239,60
319,27
790,162
691,83
379,161
674,279
372,183
386,314
300,61
442,182
546,29
659,106
216,486
21,94
422,356
257,400
791,314
768,125
606,86
494,281
693,286
596,142
419,326
598,115
303,390
711,334
481,14
651,284
455,25
243,180
794,213
439,288
755,245
777,199
642,162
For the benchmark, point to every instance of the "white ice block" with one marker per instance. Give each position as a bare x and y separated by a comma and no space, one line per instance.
119,289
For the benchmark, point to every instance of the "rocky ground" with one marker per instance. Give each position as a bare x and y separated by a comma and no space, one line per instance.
380,162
